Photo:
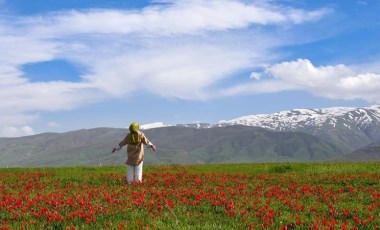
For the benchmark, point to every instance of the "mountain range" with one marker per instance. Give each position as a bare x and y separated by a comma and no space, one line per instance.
350,128
330,134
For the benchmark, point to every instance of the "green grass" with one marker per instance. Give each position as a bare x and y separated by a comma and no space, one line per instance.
221,196
248,168
274,168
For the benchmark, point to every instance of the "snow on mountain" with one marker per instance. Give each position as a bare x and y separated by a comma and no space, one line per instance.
294,119
197,125
348,128
161,124
300,119
153,125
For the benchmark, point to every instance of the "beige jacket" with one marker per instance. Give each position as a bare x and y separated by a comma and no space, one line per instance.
135,152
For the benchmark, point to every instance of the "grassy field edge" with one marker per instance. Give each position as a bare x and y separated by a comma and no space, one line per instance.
246,168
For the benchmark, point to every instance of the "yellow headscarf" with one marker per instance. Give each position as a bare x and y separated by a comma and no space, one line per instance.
134,137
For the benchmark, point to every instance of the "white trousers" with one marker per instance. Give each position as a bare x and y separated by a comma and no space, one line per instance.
134,173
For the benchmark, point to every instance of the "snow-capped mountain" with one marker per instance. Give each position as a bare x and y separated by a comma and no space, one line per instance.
351,127
299,119
162,124
153,125
295,119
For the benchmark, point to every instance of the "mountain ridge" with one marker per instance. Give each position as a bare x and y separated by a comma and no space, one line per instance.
339,133
295,118
176,145
352,127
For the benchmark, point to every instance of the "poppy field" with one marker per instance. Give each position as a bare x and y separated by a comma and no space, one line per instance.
237,196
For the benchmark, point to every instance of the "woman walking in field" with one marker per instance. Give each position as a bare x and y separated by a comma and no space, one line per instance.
135,141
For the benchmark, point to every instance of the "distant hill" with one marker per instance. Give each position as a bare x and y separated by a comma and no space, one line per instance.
238,144
82,147
370,153
176,145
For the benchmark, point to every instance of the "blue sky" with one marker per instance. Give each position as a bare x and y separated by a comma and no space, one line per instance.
69,65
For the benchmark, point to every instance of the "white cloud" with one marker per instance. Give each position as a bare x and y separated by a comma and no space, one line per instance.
255,75
11,131
182,72
337,82
302,72
181,49
179,17
22,49
46,96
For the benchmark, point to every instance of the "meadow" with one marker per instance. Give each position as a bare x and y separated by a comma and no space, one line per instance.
233,196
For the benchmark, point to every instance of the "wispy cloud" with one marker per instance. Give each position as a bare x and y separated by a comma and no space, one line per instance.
179,17
179,49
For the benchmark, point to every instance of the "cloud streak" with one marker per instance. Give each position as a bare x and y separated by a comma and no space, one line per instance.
176,18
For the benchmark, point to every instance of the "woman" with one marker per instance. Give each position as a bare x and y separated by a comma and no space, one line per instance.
135,140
